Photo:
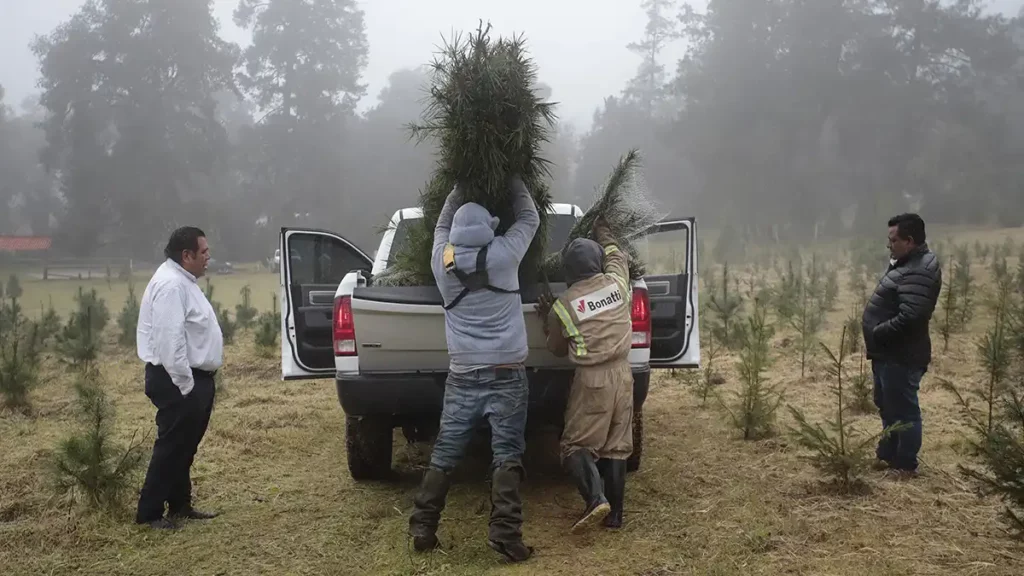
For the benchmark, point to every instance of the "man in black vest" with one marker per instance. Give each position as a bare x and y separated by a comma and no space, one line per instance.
896,338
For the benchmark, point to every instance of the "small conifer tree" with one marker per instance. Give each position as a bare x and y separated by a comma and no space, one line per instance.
704,381
807,325
754,406
963,282
246,313
862,389
950,308
837,448
90,461
128,319
268,327
727,307
19,357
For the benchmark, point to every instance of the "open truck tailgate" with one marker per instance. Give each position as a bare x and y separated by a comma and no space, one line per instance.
401,329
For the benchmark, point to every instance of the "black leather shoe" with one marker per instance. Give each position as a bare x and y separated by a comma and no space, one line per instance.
163,524
193,514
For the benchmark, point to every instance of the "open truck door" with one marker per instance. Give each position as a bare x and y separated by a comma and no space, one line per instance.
313,263
671,258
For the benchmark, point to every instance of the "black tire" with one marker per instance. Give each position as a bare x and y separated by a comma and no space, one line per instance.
633,462
368,442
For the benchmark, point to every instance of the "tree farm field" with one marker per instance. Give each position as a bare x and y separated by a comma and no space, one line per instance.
704,501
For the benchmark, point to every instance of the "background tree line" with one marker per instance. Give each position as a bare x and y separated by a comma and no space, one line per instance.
784,119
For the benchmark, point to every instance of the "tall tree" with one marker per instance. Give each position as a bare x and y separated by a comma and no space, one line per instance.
303,70
143,74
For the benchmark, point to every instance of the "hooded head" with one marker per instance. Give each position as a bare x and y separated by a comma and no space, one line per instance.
473,226
583,258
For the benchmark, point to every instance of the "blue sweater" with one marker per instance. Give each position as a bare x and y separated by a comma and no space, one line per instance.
486,328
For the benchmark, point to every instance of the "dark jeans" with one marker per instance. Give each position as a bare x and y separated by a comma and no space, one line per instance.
896,388
181,422
498,395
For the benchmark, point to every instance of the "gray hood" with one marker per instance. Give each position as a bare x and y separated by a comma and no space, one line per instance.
473,226
582,258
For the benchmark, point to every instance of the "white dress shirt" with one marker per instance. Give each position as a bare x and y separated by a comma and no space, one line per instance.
178,327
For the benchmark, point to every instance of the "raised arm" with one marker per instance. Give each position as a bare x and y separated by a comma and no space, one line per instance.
616,262
519,236
444,226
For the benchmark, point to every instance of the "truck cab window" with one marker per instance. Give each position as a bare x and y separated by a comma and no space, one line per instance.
321,260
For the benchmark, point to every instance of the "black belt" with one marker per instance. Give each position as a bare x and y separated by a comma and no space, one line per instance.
197,371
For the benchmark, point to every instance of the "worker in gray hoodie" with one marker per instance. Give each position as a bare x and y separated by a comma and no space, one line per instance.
477,273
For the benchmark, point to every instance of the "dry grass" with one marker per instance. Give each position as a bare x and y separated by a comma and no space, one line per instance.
704,502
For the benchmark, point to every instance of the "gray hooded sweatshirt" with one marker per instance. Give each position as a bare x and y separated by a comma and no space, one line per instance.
486,328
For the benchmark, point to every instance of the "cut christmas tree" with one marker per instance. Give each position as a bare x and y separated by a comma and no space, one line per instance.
489,123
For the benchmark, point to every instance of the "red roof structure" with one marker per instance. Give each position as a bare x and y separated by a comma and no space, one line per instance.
25,243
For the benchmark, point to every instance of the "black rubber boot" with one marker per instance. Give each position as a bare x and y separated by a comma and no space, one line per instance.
505,533
428,504
583,469
615,489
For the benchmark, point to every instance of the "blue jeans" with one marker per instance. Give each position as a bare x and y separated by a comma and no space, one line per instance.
896,388
498,395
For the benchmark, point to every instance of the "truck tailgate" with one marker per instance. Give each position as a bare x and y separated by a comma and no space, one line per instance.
402,330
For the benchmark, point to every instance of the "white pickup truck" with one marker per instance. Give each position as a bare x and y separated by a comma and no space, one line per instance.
386,348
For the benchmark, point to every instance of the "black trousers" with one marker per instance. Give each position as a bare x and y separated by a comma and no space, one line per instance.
181,423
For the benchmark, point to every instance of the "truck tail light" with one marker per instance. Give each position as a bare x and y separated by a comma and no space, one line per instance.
641,314
344,327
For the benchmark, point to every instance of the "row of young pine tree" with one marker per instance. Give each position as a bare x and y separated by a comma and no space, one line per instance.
799,300
89,464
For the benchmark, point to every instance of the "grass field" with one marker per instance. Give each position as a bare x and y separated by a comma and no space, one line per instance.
704,502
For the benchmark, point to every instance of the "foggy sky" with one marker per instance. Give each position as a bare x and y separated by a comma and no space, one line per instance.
579,45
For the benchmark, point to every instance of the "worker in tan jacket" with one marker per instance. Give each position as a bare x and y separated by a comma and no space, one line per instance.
591,323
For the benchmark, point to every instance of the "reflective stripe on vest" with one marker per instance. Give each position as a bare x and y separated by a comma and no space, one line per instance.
570,327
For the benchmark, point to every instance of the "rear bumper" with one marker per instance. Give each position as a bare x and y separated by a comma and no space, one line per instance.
423,394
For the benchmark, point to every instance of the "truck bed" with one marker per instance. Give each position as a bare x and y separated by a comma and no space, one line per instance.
401,329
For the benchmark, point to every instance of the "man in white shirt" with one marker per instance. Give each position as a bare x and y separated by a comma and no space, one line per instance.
181,343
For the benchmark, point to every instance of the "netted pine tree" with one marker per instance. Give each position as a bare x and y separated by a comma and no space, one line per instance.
488,122
837,448
752,409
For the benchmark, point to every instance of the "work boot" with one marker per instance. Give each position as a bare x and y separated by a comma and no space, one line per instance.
583,469
615,490
505,535
428,504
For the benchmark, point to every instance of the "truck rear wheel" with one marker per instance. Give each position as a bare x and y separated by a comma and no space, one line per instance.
368,442
633,462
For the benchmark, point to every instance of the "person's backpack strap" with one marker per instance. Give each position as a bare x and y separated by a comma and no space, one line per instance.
475,280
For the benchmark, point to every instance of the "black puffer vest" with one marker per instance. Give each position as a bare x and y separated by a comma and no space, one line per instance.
896,317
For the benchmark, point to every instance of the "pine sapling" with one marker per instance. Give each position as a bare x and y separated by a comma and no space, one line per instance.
838,449
807,324
49,324
831,291
854,334
267,329
994,352
788,292
246,313
227,326
19,357
863,392
755,405
727,306
950,308
128,319
964,285
706,379
90,461
78,341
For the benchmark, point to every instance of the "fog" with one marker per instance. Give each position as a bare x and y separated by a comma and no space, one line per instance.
774,119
